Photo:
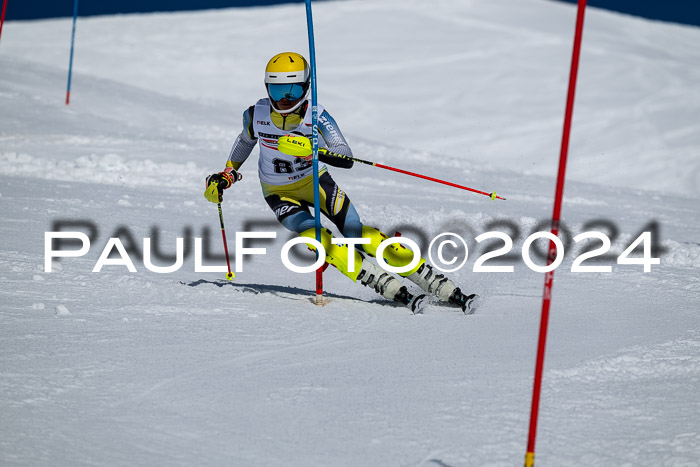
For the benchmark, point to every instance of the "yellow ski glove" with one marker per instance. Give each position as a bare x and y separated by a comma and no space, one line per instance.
217,183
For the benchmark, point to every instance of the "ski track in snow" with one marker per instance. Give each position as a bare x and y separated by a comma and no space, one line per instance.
122,368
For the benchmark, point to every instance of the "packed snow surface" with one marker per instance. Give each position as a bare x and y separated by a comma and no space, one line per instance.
185,368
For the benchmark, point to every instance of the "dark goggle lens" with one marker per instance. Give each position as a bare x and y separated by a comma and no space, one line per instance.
291,92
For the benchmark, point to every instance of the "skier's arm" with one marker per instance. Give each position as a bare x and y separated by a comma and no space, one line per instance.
244,144
335,141
242,147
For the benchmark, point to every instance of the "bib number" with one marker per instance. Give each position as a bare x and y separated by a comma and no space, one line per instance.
284,166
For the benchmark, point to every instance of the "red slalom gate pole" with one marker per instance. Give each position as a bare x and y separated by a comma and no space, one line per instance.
2,17
549,276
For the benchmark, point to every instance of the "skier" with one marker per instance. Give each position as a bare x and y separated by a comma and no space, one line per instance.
287,185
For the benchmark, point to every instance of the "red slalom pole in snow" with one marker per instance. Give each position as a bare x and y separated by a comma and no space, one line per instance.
549,276
2,17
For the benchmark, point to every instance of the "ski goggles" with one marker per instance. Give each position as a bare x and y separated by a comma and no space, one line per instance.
289,91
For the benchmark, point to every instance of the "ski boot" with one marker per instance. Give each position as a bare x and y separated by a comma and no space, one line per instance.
467,303
388,286
443,288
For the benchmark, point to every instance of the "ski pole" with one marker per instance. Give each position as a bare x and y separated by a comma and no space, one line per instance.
295,146
230,275
491,195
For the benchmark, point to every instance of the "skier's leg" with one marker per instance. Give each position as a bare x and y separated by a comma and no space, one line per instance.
352,226
362,270
290,205
395,254
435,283
340,210
423,275
295,216
299,222
349,263
336,205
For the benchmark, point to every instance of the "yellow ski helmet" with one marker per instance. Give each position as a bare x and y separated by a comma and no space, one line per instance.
287,79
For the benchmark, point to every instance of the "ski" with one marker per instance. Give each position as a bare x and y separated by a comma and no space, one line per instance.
469,307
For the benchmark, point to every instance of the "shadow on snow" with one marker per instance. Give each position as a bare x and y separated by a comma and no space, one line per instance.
282,290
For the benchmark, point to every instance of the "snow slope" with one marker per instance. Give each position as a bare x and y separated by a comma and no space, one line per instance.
119,368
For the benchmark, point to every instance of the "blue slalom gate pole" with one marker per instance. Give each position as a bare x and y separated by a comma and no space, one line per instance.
72,44
314,139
